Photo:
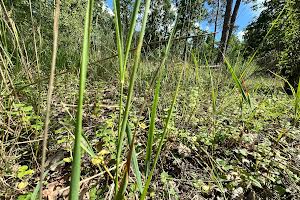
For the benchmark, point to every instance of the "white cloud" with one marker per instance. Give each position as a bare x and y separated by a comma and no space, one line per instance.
174,8
240,35
197,24
203,26
110,12
107,9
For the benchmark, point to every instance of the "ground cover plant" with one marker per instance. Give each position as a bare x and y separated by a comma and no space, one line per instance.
138,102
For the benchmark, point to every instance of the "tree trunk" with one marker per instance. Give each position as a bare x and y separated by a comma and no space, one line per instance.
226,25
216,23
188,10
232,20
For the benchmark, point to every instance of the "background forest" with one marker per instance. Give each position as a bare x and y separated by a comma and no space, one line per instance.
136,100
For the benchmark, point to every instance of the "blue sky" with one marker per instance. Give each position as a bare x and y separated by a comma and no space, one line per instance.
245,16
109,3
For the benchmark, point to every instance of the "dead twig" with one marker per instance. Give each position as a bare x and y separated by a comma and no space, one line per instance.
50,91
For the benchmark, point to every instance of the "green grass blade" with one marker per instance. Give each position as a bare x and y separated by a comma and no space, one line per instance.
75,176
131,153
237,82
297,102
131,86
84,144
152,125
119,38
120,53
122,59
131,31
134,160
143,196
155,102
122,62
34,195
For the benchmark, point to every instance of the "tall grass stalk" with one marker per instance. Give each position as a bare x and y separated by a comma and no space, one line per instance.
238,82
152,124
130,35
153,116
122,59
4,55
119,38
34,40
297,102
10,24
5,73
75,176
143,196
36,55
213,90
130,90
50,91
155,102
196,63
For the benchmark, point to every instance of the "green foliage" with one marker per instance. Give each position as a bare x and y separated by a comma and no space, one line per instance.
24,196
24,171
280,48
26,116
289,61
295,93
71,32
123,118
159,23
268,52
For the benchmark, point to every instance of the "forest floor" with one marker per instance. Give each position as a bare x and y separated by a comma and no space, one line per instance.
237,152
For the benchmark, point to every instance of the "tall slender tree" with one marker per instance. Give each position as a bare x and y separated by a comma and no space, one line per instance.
216,23
232,19
228,25
225,31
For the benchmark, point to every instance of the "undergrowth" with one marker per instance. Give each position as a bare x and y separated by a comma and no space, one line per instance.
232,154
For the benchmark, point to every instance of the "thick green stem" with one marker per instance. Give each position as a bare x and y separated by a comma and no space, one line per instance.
131,86
75,176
